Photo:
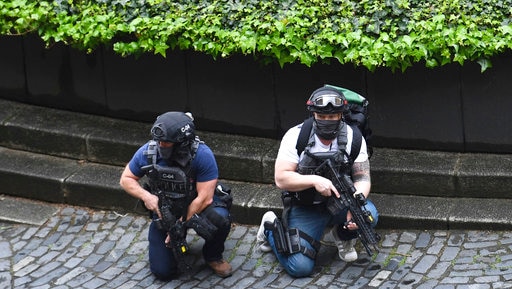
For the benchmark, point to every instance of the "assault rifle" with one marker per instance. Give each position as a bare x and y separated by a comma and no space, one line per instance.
360,215
173,207
177,229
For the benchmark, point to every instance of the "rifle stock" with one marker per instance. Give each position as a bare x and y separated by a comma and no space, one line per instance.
362,217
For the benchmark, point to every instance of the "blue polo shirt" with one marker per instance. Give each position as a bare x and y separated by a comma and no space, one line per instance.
203,168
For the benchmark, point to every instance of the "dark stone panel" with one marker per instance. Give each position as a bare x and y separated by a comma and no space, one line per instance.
420,108
43,66
12,72
64,78
141,88
85,86
295,83
487,101
232,95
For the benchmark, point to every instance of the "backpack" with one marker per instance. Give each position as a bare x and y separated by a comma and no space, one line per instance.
356,116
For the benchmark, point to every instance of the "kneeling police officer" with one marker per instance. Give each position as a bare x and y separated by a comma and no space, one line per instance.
182,193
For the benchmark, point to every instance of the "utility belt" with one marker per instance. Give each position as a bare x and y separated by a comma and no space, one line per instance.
288,240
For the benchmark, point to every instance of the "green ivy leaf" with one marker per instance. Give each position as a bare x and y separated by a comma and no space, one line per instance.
393,34
484,64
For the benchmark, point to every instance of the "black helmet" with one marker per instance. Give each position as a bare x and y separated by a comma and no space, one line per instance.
327,100
174,126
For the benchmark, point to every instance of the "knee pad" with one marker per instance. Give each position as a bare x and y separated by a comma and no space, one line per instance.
219,220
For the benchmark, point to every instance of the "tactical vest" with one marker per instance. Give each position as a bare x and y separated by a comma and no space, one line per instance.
310,163
173,183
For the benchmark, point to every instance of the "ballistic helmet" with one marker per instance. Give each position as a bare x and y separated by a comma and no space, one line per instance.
174,126
327,100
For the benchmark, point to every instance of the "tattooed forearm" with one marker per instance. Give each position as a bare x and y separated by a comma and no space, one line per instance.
361,171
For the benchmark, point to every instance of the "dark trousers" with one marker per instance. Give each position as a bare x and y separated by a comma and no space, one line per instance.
161,260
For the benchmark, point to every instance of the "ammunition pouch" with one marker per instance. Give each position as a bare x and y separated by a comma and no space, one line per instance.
174,191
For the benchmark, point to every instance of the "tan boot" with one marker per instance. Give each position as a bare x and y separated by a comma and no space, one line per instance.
221,268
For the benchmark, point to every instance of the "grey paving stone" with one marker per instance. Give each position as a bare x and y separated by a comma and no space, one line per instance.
423,240
5,279
425,263
115,256
438,270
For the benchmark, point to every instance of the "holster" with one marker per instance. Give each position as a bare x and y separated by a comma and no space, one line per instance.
279,236
287,241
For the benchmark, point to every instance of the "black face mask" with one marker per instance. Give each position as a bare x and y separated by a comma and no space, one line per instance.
182,155
178,153
327,129
165,152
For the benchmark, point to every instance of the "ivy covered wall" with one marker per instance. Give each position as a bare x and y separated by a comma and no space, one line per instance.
365,33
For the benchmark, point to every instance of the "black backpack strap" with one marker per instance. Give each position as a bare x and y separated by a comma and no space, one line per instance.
304,134
357,140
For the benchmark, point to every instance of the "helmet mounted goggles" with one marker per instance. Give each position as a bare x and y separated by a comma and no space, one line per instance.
326,100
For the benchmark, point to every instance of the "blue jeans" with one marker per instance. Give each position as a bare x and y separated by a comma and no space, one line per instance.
161,260
313,220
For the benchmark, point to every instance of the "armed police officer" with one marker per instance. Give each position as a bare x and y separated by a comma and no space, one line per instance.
306,212
182,193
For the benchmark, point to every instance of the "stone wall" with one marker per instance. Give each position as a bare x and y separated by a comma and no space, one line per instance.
450,108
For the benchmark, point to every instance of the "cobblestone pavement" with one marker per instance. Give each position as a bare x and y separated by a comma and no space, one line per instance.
83,248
